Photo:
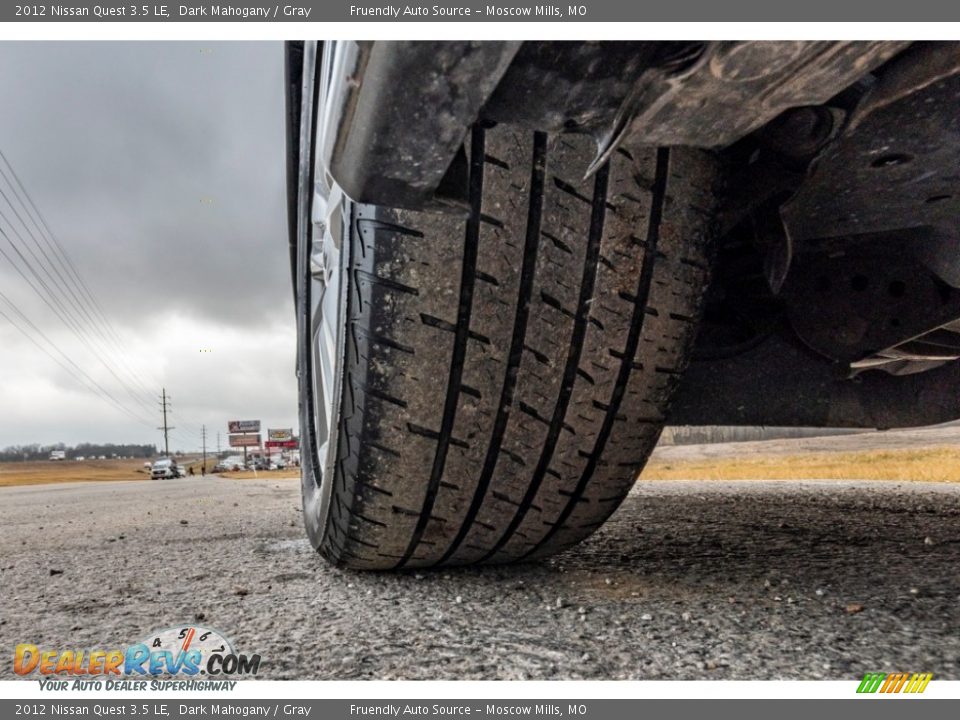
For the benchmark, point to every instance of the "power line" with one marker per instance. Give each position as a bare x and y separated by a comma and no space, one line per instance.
73,314
63,284
80,292
56,247
183,435
75,371
40,294
69,321
187,432
97,390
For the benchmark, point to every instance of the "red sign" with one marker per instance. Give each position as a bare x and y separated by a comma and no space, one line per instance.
281,443
245,440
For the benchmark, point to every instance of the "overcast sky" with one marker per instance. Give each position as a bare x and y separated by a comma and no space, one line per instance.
160,169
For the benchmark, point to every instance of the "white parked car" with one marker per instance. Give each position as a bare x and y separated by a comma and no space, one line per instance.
232,463
164,468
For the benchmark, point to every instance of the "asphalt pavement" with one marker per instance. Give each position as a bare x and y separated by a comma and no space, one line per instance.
689,580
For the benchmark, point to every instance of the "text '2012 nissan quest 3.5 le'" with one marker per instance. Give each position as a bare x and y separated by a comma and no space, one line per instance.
514,262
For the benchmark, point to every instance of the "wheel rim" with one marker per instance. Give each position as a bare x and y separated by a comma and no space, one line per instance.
327,320
322,311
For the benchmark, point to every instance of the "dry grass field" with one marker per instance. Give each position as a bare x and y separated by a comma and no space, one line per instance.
935,464
44,471
922,454
291,473
929,454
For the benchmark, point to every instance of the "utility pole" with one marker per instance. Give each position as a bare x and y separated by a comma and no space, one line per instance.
165,404
203,435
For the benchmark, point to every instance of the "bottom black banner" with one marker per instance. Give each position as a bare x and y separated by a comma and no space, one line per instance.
875,708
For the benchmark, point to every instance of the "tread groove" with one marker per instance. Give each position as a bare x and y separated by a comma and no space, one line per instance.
538,356
467,278
375,488
392,227
644,285
588,280
571,190
487,278
385,341
387,283
557,242
380,395
515,355
383,448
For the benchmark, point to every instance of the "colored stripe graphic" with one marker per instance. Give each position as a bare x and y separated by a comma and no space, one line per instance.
918,683
894,683
871,682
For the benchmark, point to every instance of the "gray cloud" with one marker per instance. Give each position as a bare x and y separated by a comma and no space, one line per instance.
160,167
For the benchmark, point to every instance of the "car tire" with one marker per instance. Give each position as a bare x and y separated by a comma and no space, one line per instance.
505,373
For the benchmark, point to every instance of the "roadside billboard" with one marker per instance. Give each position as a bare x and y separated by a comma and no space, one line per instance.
280,435
245,440
243,426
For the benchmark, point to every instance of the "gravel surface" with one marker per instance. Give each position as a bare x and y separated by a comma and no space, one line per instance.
756,580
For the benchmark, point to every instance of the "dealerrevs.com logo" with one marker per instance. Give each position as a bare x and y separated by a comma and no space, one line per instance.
180,651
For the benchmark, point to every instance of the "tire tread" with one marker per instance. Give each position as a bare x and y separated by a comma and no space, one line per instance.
506,376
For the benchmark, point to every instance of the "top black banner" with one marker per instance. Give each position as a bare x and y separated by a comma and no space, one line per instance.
480,11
